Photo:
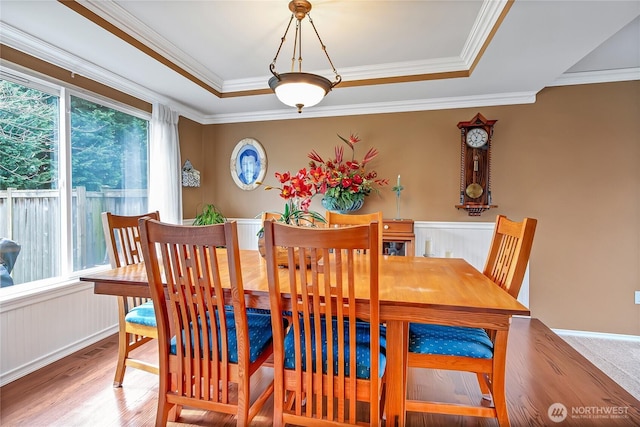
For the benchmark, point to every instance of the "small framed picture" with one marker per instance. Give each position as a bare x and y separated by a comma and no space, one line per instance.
248,164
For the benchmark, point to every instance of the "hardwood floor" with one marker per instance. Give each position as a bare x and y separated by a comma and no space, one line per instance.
542,370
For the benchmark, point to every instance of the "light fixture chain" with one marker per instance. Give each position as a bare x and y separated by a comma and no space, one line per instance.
272,67
324,49
297,45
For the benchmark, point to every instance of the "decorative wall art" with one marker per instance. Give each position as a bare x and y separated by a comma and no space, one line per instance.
190,176
248,164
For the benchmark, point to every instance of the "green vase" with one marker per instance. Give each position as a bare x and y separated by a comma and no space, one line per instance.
337,205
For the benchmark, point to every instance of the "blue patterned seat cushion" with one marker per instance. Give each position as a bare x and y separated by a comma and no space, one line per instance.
260,335
251,310
363,350
258,310
450,340
144,314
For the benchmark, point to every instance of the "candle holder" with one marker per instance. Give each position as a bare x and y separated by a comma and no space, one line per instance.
428,250
398,189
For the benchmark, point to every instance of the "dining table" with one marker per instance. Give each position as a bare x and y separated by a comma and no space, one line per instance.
446,291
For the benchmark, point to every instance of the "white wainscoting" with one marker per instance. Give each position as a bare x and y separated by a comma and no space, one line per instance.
39,328
468,240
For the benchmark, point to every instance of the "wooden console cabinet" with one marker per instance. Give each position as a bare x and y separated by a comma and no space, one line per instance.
398,237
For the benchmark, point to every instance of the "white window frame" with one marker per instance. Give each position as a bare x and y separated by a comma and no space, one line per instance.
63,91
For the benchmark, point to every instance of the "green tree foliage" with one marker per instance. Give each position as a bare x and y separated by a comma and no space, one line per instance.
28,138
99,137
108,147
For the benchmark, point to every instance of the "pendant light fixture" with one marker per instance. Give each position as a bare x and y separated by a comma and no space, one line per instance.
296,88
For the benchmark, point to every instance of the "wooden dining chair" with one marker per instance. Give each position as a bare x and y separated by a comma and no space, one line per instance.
209,345
266,216
136,316
477,350
335,219
328,359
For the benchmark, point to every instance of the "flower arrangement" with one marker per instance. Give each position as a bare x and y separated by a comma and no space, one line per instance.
341,182
344,181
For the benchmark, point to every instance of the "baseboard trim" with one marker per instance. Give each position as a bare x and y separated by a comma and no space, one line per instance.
601,335
34,365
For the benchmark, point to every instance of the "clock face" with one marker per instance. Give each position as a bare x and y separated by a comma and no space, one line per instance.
477,137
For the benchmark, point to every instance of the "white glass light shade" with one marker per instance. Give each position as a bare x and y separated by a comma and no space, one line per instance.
300,89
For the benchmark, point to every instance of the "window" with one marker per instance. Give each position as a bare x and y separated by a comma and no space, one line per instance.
50,136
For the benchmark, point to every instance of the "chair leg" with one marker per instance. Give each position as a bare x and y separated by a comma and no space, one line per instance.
165,412
498,378
123,343
500,404
483,382
500,401
123,354
244,402
383,396
279,397
173,413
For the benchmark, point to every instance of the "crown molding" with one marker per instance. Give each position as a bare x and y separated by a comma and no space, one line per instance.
379,108
118,16
604,76
490,15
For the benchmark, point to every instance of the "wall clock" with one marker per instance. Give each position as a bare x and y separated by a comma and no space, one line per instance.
475,165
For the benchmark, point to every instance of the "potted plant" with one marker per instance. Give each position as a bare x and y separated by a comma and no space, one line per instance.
297,192
209,215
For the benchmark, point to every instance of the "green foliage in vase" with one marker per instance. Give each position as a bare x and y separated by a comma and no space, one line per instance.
293,214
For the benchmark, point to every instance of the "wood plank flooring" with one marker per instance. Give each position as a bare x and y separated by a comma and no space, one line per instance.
542,370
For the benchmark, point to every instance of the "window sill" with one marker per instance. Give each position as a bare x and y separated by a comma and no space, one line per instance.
20,295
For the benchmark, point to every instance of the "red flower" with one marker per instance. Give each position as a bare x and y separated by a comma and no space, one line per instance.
283,177
371,154
353,165
286,192
317,175
315,156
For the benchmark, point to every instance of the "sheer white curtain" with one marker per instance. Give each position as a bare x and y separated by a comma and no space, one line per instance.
165,192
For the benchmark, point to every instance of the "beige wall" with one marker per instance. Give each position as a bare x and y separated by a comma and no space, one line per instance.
570,160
